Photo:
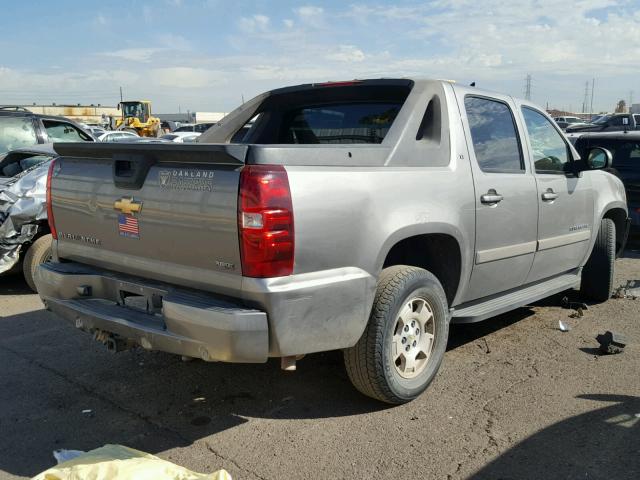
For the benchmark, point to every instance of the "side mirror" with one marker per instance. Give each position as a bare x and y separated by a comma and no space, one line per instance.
118,106
599,158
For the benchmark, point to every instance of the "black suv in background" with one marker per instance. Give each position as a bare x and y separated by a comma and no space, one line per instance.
609,123
625,151
21,128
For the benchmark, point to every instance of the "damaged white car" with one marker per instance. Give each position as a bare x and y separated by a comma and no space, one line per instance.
25,241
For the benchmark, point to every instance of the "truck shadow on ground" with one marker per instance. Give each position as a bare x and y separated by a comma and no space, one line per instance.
599,444
150,400
13,284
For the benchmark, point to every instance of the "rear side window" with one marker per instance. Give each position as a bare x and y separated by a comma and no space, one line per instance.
494,135
550,152
342,123
16,132
64,132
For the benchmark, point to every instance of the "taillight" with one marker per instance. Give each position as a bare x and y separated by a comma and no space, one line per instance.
265,221
52,223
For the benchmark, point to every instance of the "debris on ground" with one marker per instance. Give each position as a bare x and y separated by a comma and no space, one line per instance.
579,307
122,463
611,342
562,327
631,290
87,412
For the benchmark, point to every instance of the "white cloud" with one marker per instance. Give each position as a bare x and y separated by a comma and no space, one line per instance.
186,77
134,54
311,15
101,20
346,53
288,23
254,24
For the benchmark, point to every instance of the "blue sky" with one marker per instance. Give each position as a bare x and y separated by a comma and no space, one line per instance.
208,54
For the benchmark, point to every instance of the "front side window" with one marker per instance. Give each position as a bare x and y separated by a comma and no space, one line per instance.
64,132
16,132
494,135
549,151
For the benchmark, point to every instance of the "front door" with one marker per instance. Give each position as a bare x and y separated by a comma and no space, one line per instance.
505,190
565,200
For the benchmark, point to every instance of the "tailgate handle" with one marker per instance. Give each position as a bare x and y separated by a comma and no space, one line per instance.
130,171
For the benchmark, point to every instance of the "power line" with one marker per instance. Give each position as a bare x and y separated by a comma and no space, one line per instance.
593,86
527,87
585,102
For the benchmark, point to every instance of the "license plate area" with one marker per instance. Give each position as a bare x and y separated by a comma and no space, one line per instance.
142,299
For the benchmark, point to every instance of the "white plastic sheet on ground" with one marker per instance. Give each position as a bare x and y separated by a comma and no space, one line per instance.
116,462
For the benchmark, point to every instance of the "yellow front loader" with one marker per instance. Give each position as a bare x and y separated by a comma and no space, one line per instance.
136,116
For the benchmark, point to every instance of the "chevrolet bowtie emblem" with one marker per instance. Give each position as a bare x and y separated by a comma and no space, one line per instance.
128,205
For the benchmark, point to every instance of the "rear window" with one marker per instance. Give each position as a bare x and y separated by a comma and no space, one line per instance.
16,132
345,114
344,123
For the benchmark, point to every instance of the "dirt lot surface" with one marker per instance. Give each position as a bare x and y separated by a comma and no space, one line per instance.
515,398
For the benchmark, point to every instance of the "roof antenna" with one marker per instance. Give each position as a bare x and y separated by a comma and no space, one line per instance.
472,84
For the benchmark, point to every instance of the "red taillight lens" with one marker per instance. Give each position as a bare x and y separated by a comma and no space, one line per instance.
52,223
265,221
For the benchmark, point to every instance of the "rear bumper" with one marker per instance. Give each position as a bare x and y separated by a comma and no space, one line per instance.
274,317
182,322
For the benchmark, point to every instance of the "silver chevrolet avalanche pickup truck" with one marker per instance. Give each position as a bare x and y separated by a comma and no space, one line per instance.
362,215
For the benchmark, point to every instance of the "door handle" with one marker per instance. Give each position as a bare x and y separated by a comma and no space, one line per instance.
549,195
491,197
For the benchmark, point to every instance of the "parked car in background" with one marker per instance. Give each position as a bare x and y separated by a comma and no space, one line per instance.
364,216
168,126
25,239
22,128
564,122
625,164
118,136
95,131
181,137
198,127
616,122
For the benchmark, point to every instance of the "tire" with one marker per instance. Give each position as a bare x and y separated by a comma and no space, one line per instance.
597,274
371,363
39,252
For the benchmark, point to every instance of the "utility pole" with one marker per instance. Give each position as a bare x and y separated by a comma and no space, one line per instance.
593,86
585,102
120,94
630,99
527,87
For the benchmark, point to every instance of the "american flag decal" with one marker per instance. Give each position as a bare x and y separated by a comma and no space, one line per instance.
128,226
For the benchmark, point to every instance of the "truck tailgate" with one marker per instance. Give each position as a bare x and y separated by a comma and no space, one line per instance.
167,212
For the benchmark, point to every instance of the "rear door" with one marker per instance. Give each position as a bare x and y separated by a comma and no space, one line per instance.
505,190
565,200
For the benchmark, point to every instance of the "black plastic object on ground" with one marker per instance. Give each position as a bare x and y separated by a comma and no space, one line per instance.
611,342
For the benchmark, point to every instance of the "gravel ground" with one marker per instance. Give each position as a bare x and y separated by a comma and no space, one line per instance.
515,398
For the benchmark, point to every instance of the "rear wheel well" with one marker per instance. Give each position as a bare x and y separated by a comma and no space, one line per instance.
435,252
619,217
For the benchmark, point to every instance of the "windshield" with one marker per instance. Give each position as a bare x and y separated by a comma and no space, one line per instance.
602,119
135,109
573,120
16,132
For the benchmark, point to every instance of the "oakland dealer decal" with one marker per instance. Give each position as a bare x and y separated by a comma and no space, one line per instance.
186,179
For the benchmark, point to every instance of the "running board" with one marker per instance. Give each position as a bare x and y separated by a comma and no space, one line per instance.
481,310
